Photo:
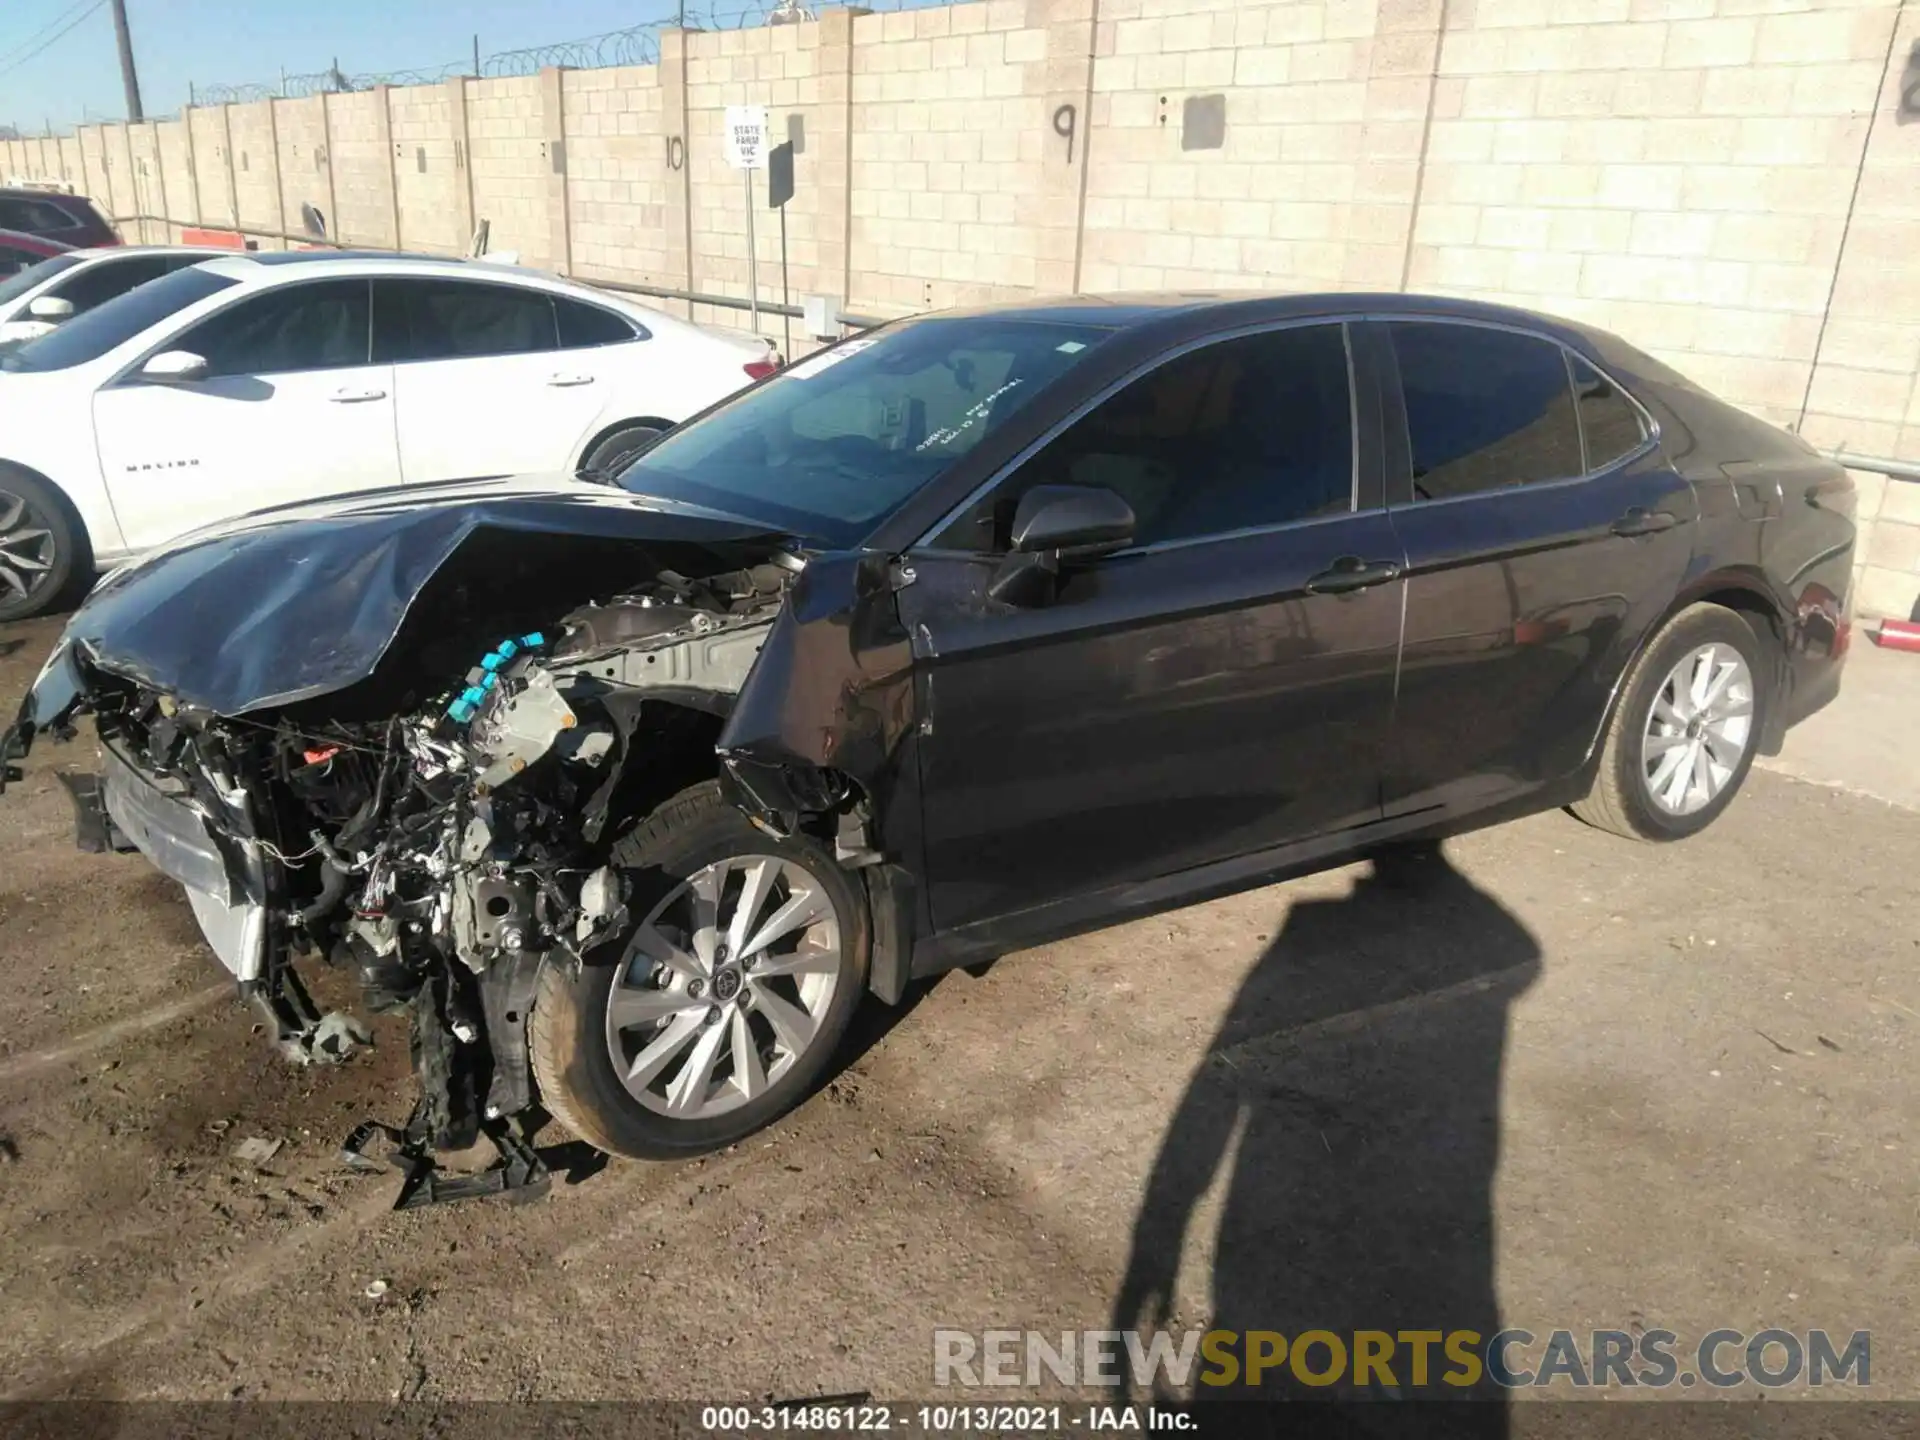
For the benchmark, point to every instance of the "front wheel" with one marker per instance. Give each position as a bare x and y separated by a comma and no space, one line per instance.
1682,738
38,546
727,999
613,454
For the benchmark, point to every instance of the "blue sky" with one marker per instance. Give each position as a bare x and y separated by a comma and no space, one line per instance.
232,41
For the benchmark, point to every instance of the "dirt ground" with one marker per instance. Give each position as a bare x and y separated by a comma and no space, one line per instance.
1572,1083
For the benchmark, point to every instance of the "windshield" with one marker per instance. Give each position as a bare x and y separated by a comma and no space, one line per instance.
14,286
93,333
835,443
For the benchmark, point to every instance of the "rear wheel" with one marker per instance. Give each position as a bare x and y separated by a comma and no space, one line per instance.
727,999
1682,738
38,545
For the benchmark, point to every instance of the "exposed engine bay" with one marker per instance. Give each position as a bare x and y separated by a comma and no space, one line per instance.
445,855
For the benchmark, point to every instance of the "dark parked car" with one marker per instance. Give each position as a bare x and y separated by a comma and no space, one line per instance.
71,219
977,630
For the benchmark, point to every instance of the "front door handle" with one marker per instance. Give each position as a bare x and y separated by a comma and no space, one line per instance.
1350,573
356,397
562,381
1642,521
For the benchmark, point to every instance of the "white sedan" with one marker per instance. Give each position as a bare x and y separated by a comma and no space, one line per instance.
256,380
41,296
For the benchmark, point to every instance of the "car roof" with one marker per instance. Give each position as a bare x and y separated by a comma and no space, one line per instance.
27,240
121,252
267,267
1180,314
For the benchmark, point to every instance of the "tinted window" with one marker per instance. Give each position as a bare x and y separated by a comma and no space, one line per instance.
1246,433
583,325
322,326
89,336
831,445
1607,418
37,274
13,261
1485,408
102,282
461,320
34,216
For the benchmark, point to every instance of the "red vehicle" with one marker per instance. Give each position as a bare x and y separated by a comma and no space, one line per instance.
73,220
18,251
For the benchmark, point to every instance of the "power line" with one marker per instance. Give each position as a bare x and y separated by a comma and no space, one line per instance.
37,34
15,65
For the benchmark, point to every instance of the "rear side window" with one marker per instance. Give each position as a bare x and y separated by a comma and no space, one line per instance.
1607,418
320,326
461,320
1238,435
1486,409
37,217
583,325
110,278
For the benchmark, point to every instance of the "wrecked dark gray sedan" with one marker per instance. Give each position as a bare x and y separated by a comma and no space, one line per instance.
976,631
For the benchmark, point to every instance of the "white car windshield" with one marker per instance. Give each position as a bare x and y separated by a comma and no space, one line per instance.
92,334
832,445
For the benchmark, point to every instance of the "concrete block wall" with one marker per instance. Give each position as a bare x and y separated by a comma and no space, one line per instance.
256,167
1725,182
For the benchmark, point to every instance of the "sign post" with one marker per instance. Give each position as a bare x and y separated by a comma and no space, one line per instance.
779,191
747,152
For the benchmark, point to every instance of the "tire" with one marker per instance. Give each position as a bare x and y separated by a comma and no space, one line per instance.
608,458
574,1037
1625,797
37,522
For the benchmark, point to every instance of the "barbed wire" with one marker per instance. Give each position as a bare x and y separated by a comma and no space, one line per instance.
636,45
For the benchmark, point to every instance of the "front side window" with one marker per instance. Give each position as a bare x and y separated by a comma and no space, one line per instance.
319,326
1607,418
1486,409
461,320
14,262
35,275
106,327
1238,435
109,278
830,446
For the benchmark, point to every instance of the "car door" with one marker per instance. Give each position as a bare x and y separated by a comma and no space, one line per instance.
289,408
482,384
1221,687
1544,534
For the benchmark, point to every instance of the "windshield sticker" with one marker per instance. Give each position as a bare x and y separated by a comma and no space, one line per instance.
948,433
827,359
1071,347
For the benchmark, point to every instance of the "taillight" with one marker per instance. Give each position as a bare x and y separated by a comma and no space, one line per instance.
760,369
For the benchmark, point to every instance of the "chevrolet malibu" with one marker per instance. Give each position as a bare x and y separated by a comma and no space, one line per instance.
978,630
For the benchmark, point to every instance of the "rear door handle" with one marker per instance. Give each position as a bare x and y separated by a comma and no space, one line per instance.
561,381
356,397
1350,573
1641,521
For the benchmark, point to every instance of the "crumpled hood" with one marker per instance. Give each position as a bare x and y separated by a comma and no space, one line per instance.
287,604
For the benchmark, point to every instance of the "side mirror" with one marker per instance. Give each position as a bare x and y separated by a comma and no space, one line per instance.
171,367
51,307
1059,525
1075,521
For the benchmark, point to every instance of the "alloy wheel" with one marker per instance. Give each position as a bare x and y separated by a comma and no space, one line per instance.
26,549
1698,729
724,986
